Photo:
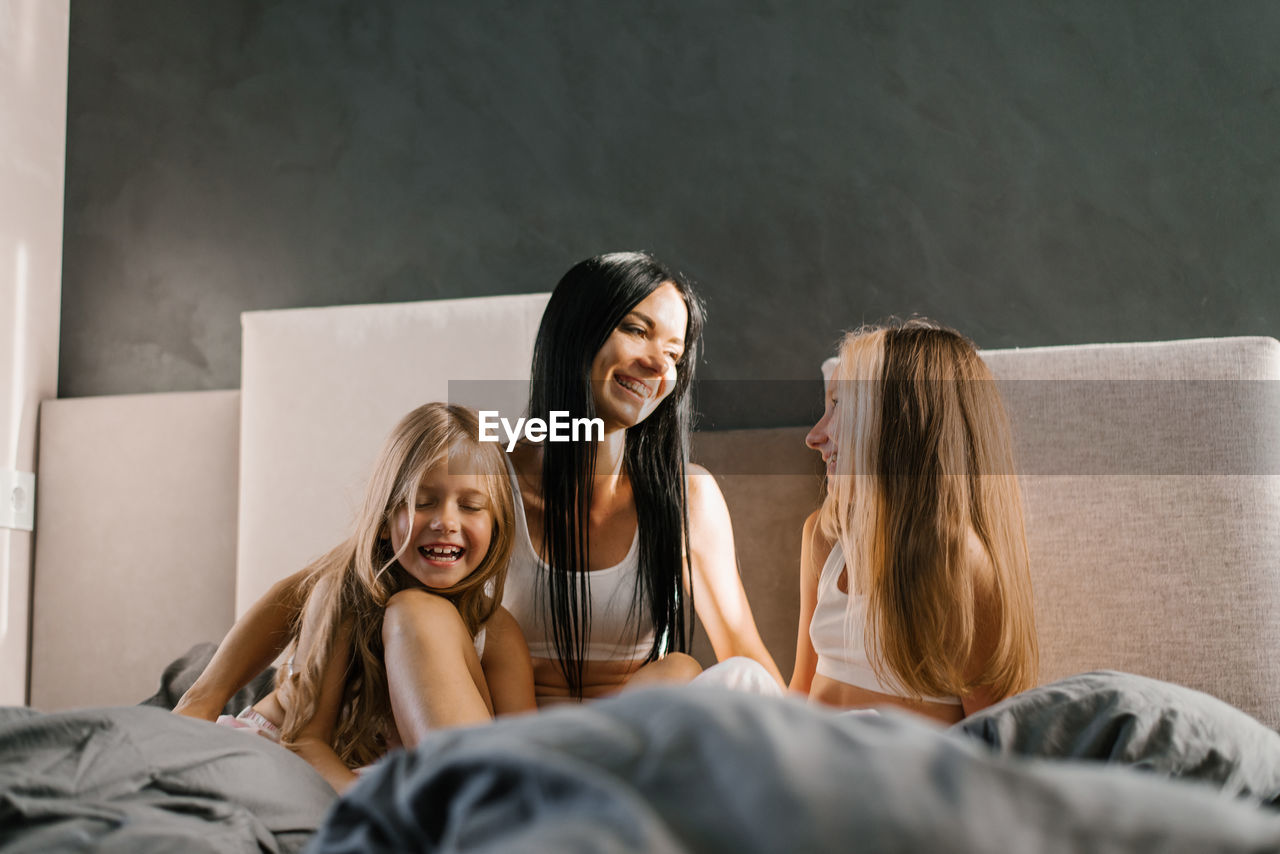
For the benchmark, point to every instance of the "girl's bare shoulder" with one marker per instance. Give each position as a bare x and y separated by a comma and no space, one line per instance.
978,563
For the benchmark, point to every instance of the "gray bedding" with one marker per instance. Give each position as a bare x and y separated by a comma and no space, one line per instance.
139,779
1132,765
1155,726
700,770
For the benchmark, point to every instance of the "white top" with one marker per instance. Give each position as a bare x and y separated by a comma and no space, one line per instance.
836,619
619,632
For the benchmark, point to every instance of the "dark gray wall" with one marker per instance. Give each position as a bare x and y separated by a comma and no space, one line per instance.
1030,173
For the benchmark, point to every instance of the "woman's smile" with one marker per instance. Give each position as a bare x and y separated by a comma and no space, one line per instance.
633,385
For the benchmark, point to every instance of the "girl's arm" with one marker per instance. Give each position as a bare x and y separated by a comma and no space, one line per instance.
252,644
508,670
315,742
717,588
812,555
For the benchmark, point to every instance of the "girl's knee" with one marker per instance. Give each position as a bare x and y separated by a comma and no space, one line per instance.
675,668
681,666
414,612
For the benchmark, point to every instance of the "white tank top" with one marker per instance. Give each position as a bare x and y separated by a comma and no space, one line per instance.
619,632
843,656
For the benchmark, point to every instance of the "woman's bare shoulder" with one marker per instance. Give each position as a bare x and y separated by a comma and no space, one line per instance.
702,484
706,501
501,621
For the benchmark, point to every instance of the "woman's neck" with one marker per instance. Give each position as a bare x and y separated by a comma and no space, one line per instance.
610,477
610,467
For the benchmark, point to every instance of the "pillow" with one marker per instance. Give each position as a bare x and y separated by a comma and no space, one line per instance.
1157,726
182,673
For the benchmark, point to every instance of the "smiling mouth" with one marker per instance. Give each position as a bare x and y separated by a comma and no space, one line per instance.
636,387
442,554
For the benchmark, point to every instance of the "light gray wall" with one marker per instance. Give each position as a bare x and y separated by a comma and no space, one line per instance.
1031,173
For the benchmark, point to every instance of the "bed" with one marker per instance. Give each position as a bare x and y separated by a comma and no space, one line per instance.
1151,475
1094,763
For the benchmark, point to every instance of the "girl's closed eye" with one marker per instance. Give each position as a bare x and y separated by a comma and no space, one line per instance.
473,502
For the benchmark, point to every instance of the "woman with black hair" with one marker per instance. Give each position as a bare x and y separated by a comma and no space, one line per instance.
615,537
600,578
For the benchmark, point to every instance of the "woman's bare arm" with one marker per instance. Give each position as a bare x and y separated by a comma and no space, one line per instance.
252,644
508,670
719,597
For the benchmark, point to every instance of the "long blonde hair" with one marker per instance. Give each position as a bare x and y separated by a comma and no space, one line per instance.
925,454
351,585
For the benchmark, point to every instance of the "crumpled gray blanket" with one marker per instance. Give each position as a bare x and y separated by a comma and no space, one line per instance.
138,779
705,770
1142,723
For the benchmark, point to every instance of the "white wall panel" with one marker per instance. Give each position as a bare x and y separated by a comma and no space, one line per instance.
33,114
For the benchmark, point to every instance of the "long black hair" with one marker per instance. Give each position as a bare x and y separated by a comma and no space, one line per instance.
586,306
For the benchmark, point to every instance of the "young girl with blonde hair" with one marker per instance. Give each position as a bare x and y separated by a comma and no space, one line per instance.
915,586
401,629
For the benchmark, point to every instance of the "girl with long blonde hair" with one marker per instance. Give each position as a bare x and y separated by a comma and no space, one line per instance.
400,628
915,584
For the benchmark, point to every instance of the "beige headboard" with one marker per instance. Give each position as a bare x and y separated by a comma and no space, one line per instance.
1153,509
135,541
1151,478
1153,503
320,390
